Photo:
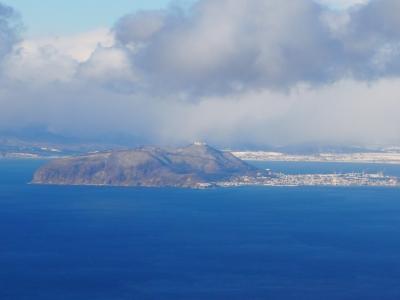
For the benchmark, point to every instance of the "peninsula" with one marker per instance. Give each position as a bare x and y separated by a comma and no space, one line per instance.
195,166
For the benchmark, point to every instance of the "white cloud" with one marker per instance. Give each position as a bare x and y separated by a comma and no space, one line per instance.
78,47
342,4
43,60
107,63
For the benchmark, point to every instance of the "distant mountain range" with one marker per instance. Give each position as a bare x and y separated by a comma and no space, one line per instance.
197,165
39,141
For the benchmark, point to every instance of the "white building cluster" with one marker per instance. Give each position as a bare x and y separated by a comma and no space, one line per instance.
348,179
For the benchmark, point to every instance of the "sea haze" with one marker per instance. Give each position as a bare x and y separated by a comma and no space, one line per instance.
248,243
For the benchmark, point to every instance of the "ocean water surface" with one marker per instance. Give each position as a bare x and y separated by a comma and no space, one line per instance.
84,243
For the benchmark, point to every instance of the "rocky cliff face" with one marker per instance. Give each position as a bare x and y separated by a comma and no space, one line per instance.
192,166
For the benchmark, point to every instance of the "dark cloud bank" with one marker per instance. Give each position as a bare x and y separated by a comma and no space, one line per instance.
9,29
222,46
233,72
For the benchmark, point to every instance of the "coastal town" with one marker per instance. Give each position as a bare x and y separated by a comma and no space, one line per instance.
344,180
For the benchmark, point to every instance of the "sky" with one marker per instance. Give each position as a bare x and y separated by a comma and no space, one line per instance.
57,17
234,73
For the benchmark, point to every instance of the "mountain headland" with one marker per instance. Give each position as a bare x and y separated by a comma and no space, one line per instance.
195,166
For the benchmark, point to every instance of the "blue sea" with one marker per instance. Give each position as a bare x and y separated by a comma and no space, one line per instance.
91,243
